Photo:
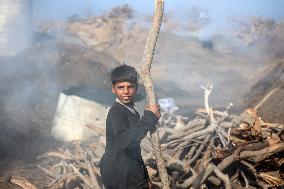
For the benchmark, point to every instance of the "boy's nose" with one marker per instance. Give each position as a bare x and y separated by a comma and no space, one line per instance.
125,90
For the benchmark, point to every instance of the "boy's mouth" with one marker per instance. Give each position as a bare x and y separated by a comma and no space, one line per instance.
126,97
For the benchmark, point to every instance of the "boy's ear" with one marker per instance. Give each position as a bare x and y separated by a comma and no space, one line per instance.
112,89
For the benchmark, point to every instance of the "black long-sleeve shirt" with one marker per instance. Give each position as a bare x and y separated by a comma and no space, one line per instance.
122,166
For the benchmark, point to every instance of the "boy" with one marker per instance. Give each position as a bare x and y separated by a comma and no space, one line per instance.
122,166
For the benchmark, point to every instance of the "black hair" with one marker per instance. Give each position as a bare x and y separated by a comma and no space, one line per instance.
124,73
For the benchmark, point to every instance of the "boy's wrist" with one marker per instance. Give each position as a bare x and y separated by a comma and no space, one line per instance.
152,118
151,114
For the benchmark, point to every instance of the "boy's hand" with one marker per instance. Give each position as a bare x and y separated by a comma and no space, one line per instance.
155,109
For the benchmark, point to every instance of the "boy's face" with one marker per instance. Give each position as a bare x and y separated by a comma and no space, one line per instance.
125,91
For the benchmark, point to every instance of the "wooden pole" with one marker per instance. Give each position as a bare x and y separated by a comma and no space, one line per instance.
149,87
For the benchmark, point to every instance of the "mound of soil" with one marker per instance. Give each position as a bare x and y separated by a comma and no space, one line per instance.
268,94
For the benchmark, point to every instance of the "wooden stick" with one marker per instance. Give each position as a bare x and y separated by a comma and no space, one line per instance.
84,179
63,156
249,166
101,131
174,180
223,177
260,155
188,182
91,172
190,154
48,172
149,87
207,92
201,147
22,182
203,175
228,160
245,179
87,160
193,123
177,136
173,162
187,139
206,158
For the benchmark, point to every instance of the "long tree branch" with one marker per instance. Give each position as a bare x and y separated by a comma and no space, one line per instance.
149,87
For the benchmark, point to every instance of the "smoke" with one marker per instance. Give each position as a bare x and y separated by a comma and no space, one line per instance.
32,80
15,25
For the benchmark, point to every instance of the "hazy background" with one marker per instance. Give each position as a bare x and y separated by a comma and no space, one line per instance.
218,12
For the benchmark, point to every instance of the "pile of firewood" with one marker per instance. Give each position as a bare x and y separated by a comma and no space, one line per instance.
218,150
214,150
